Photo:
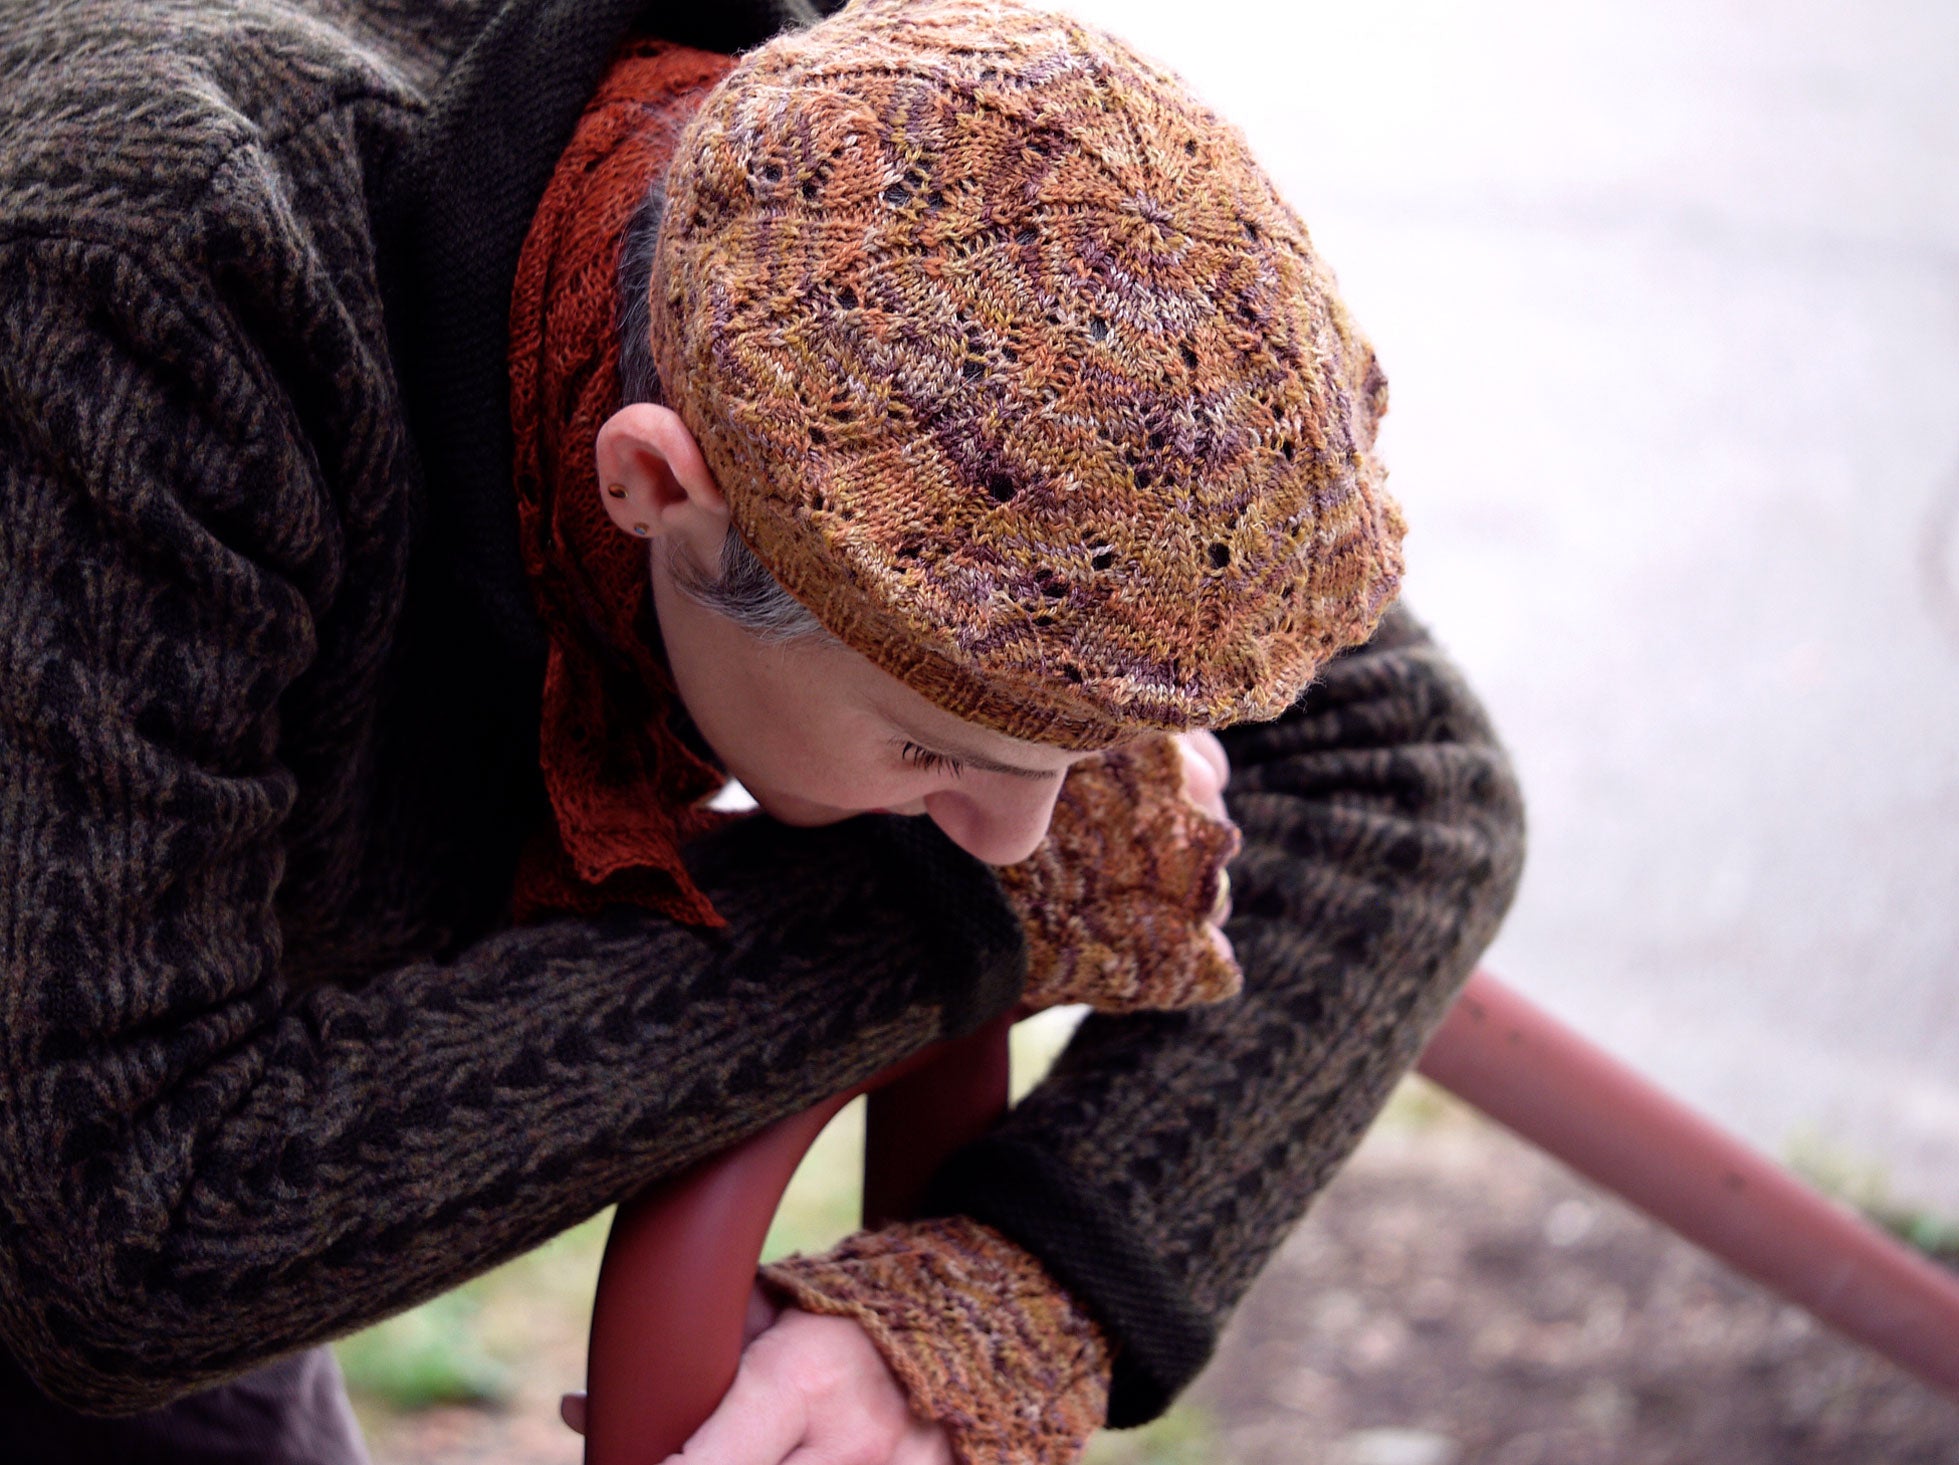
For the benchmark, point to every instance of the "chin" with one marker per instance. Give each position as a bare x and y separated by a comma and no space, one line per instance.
799,813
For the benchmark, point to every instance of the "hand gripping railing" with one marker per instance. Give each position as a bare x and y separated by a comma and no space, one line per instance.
674,1286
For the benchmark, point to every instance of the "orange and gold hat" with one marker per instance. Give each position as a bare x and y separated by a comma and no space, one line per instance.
1017,372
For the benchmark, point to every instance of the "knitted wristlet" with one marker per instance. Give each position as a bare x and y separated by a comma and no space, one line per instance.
1116,901
983,1340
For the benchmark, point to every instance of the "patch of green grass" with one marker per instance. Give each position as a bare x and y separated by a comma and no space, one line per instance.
465,1346
1417,1104
430,1355
1866,1185
1184,1436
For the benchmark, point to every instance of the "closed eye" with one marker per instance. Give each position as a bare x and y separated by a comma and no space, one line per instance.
930,762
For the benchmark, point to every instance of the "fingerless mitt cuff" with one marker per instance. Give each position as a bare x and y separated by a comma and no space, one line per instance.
1159,1342
983,1340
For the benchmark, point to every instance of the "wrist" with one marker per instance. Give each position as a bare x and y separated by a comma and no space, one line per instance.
982,1339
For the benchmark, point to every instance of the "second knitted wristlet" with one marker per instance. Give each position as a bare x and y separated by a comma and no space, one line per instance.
984,1342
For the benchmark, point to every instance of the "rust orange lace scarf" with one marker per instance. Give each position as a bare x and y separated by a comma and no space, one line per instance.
625,789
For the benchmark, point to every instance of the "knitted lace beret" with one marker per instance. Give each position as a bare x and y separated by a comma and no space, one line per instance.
1017,372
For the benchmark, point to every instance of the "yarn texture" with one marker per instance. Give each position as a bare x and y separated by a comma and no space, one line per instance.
1116,902
1017,371
273,1062
626,790
980,1336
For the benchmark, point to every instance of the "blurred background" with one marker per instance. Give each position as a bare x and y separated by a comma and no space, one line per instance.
1668,295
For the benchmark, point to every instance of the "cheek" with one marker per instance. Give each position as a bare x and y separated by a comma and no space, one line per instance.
832,758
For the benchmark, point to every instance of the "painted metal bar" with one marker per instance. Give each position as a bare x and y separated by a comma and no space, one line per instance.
666,1326
681,1257
1505,1056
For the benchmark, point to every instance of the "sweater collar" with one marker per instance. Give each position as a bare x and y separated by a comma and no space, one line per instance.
452,212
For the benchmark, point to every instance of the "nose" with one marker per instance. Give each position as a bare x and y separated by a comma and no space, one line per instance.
1000,821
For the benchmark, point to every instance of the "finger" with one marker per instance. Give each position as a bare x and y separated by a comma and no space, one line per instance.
1223,944
571,1409
759,1421
924,1444
1201,784
762,1313
1206,742
1221,907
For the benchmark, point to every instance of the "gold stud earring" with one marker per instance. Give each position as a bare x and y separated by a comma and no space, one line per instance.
616,490
641,530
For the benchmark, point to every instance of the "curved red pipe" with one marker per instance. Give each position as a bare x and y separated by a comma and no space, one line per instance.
681,1257
1570,1098
673,1289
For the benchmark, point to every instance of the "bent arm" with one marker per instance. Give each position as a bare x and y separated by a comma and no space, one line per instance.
201,1164
1167,1154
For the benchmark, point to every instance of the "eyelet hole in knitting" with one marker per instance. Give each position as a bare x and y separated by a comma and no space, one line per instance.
1220,556
972,370
1027,235
1190,147
1189,356
1101,558
1073,674
910,551
1001,487
1098,329
772,172
1286,449
1043,619
847,297
897,195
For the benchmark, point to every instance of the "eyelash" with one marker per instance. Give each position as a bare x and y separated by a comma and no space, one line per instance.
930,762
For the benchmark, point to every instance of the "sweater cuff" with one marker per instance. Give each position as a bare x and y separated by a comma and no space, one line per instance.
983,1340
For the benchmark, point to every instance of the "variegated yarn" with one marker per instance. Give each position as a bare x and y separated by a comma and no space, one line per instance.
1018,372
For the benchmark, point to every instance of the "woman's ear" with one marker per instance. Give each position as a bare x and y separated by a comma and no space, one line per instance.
654,482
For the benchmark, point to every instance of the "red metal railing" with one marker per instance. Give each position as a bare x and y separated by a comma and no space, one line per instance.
666,1326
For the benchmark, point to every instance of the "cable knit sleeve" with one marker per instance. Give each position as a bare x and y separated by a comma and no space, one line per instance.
204,1164
1157,1167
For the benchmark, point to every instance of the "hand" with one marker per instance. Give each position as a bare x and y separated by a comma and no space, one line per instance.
809,1390
1124,902
1207,769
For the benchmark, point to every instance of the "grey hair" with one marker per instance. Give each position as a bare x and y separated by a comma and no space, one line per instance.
743,591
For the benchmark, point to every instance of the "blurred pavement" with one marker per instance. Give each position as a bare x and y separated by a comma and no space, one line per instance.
1668,294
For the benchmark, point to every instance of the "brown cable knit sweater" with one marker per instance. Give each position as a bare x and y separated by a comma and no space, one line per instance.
269,1066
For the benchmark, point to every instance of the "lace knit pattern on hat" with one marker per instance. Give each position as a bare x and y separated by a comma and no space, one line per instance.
1018,372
